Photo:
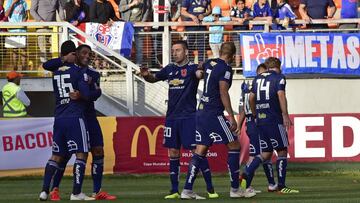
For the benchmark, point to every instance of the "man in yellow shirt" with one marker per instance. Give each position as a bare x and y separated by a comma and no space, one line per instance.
13,97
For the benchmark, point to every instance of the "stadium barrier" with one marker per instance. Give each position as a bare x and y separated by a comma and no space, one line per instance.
134,144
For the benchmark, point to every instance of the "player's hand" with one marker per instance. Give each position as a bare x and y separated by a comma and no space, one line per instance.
75,95
233,124
69,58
201,17
195,19
287,122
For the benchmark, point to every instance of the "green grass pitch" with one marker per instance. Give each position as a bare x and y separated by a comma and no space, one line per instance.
326,182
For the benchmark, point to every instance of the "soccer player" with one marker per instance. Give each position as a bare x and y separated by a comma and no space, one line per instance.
269,104
211,124
70,130
183,79
95,134
255,158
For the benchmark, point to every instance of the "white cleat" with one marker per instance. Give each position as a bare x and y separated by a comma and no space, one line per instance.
43,196
237,193
273,188
81,196
256,191
249,192
189,194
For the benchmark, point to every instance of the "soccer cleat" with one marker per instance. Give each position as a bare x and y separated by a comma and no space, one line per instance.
243,183
213,195
287,190
236,193
55,195
273,188
189,194
81,196
43,196
102,195
175,195
249,192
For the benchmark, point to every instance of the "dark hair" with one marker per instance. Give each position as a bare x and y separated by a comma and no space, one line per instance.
183,43
237,1
272,62
83,46
261,65
227,48
67,47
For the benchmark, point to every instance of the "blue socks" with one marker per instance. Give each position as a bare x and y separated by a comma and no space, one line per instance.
268,170
251,168
205,170
174,174
97,168
281,165
60,172
50,169
79,172
194,167
234,167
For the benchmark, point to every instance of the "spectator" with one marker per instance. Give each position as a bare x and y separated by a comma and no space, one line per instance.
240,13
196,10
283,12
262,11
102,12
16,11
310,9
44,11
348,10
77,11
170,11
14,98
136,11
216,37
3,17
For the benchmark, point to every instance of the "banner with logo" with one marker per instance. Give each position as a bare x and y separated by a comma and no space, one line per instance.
117,37
25,144
303,53
138,148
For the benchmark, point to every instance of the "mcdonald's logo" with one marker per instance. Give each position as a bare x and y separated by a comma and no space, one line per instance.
151,136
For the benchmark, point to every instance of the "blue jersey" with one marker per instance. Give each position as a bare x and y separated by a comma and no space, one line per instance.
284,11
215,70
245,92
261,12
266,86
195,7
94,92
183,86
349,8
67,79
235,12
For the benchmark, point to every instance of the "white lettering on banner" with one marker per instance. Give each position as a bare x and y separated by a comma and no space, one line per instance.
300,51
301,136
338,137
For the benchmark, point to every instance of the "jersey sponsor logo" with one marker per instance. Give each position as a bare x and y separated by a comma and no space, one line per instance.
176,82
151,136
27,141
64,68
262,116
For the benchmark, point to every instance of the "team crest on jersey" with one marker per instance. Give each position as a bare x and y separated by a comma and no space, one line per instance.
183,72
213,63
64,68
86,77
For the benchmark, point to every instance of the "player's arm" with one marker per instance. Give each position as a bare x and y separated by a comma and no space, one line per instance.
225,99
53,64
240,121
252,102
95,94
199,73
284,110
149,77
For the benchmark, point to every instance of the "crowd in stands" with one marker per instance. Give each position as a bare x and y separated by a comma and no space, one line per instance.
277,12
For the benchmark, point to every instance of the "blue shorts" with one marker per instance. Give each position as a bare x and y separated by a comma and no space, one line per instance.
95,134
254,138
180,132
273,137
213,129
70,136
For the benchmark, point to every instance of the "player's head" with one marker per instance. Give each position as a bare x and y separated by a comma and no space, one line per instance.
273,63
83,55
179,51
227,51
261,68
240,4
68,48
280,1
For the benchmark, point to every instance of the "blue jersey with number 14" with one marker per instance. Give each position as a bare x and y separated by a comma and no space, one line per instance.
66,79
266,86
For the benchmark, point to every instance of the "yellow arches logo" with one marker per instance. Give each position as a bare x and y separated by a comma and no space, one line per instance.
151,136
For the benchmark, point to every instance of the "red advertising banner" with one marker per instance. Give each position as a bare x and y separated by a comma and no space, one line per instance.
313,138
138,148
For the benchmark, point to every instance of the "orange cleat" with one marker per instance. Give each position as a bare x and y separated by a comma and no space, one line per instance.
55,195
102,195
